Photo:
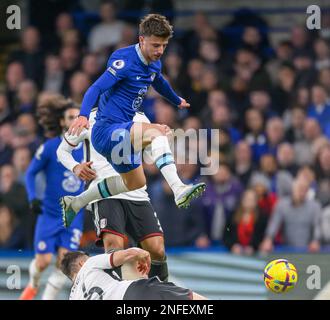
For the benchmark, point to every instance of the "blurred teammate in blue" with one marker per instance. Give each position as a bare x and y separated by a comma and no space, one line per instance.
51,237
118,94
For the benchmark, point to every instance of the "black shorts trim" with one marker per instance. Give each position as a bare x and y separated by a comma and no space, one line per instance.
125,217
154,289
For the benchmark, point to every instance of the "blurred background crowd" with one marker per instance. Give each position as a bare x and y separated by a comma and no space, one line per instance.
271,103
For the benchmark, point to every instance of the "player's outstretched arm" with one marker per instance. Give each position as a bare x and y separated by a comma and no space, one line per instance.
162,86
91,97
64,154
133,254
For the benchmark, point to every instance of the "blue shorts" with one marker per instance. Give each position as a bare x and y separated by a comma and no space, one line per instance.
50,234
113,141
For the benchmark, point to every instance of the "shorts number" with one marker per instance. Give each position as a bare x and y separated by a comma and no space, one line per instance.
76,236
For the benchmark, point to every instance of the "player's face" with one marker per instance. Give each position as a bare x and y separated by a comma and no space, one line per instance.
153,47
69,117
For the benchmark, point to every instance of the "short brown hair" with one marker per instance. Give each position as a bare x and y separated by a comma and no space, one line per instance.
69,264
155,25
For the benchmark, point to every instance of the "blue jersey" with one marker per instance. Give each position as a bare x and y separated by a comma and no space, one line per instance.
59,180
120,90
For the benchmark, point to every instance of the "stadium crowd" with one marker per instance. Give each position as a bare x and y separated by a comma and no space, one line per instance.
270,102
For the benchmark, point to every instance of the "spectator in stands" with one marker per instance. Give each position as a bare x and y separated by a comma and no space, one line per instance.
323,175
307,174
295,131
14,76
30,55
300,219
128,36
246,230
175,71
243,165
303,148
320,109
280,181
226,146
165,113
26,97
274,134
252,40
220,201
70,61
324,79
181,228
63,24
220,118
209,81
5,112
300,40
284,90
108,32
91,66
254,134
266,198
54,75
283,53
6,143
11,233
285,157
26,132
79,83
193,87
322,53
21,160
260,100
305,72
202,29
12,193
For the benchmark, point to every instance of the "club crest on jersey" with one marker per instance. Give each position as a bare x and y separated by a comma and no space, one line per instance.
103,223
118,64
153,75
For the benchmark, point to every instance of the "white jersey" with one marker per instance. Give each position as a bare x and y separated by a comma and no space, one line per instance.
97,280
100,164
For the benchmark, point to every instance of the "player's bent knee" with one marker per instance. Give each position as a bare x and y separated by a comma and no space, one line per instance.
156,248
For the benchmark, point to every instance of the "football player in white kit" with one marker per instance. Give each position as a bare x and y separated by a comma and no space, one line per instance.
95,278
129,212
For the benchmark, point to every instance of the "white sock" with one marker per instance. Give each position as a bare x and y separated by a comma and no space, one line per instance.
104,189
162,156
54,284
35,274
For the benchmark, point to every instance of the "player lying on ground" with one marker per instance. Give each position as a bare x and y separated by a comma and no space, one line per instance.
129,212
50,236
94,278
118,94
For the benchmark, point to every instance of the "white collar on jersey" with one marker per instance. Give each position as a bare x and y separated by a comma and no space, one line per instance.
139,53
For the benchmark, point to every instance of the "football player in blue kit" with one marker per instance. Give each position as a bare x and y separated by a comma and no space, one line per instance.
50,236
118,94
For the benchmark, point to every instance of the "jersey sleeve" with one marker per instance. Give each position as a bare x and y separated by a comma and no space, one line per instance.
101,261
38,163
162,86
64,150
117,69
